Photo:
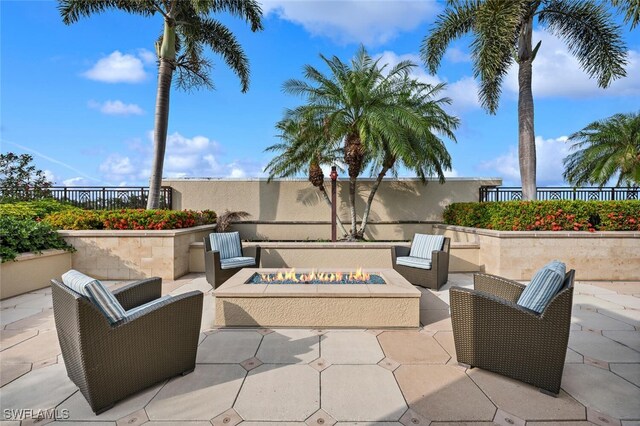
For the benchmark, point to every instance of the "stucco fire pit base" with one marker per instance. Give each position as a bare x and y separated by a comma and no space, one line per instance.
395,304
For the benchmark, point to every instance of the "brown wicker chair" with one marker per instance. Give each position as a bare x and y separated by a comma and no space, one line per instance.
433,278
110,362
494,333
216,276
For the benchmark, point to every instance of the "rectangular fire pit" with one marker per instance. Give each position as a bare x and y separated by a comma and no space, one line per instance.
392,303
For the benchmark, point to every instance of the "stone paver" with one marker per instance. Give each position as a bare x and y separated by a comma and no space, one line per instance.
631,372
350,347
79,409
228,347
39,348
599,347
361,393
41,389
602,390
573,357
524,401
12,302
622,299
202,395
629,316
278,393
436,319
412,347
627,338
285,346
443,393
584,301
598,321
10,372
9,338
7,316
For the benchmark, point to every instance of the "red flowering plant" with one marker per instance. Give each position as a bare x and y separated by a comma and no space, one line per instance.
136,219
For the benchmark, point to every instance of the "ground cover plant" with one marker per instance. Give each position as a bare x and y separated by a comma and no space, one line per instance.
129,219
26,235
547,215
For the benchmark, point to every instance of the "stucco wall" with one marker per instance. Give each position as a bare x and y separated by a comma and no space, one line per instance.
32,271
294,210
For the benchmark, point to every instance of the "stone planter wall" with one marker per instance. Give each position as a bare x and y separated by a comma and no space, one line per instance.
610,256
126,255
32,271
463,256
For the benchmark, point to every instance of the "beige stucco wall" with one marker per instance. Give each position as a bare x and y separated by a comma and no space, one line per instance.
294,210
32,271
124,255
610,256
463,257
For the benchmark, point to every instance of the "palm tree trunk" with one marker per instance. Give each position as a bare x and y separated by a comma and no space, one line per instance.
328,201
165,75
372,194
352,202
526,132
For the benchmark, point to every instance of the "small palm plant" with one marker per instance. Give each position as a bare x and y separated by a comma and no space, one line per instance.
228,218
606,150
188,30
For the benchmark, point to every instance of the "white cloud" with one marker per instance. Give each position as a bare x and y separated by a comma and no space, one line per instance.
50,176
116,108
117,165
457,55
77,181
354,21
237,172
147,56
451,173
117,68
557,73
463,92
549,167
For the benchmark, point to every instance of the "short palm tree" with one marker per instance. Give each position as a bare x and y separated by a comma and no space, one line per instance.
373,116
502,33
605,150
188,30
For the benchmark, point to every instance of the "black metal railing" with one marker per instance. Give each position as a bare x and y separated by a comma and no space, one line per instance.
94,197
504,193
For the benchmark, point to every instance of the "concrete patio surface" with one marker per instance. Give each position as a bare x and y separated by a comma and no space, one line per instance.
343,377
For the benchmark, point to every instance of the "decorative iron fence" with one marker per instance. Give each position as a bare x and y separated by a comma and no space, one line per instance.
504,193
93,197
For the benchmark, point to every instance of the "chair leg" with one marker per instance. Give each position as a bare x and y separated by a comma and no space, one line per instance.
102,410
184,373
547,392
467,366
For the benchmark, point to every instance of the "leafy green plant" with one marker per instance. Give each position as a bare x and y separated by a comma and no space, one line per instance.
130,219
21,180
547,215
26,235
37,209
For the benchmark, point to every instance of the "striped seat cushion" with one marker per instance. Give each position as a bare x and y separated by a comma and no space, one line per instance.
544,285
95,291
227,243
414,262
237,262
423,245
142,309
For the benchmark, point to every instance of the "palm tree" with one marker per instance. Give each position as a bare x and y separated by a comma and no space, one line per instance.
606,149
303,148
188,30
374,117
502,33
631,10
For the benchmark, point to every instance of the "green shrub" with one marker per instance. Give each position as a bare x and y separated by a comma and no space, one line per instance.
130,219
25,235
547,215
34,209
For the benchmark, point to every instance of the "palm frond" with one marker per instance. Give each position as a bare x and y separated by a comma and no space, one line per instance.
72,10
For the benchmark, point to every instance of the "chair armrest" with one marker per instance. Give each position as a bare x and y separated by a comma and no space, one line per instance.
139,292
258,251
501,287
490,310
399,251
184,305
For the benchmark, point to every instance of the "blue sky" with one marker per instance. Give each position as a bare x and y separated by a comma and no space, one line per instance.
80,98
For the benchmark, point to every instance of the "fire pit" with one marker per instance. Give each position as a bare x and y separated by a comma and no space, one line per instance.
379,298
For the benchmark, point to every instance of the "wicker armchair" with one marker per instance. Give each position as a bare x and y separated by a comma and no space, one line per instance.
433,278
494,333
110,362
214,271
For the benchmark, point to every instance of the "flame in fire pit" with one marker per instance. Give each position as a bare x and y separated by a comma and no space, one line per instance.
315,276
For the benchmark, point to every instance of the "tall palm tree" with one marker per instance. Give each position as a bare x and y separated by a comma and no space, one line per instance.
188,29
374,116
303,148
502,33
604,150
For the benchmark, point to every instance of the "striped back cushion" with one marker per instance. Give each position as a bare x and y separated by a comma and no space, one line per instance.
424,244
95,291
227,243
543,286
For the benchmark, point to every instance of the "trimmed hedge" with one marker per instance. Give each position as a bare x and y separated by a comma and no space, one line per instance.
130,219
27,235
34,209
546,215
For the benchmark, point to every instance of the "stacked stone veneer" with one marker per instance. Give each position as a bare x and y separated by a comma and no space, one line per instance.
125,255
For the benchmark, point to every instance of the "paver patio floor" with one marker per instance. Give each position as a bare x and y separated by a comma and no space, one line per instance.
343,377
